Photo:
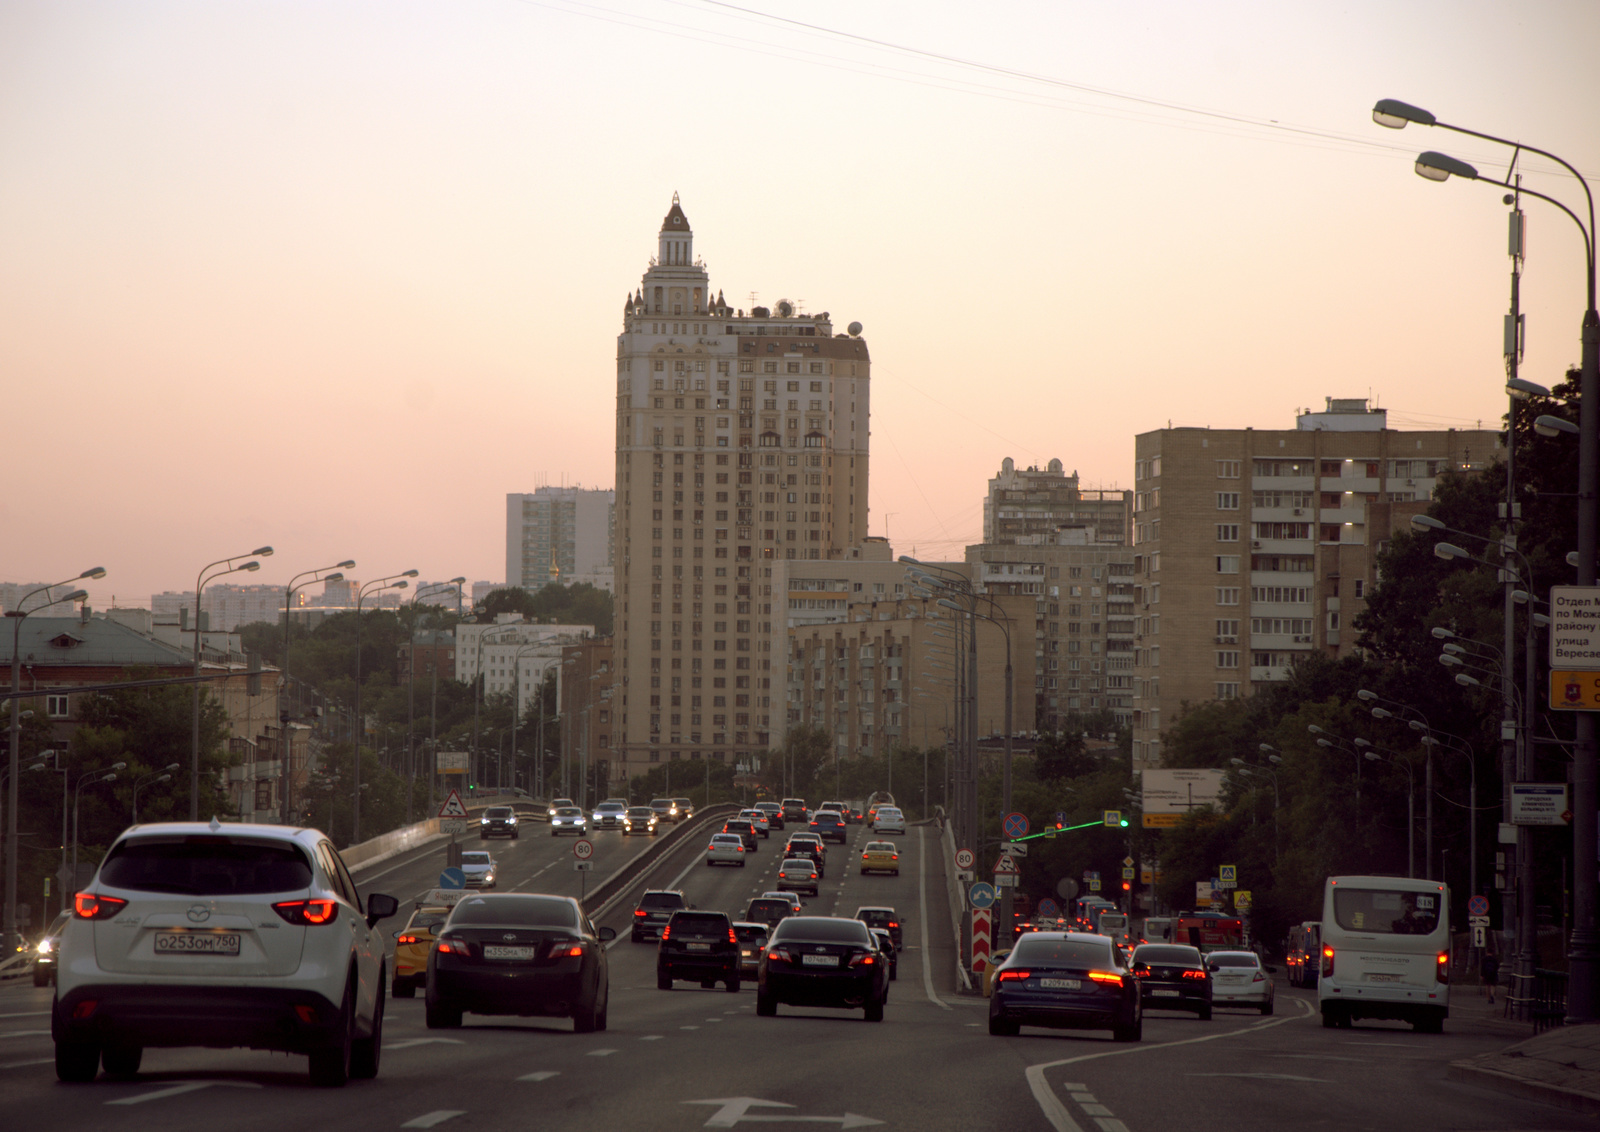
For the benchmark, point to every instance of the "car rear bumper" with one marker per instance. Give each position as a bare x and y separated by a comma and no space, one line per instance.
1185,999
521,991
844,990
275,1018
680,966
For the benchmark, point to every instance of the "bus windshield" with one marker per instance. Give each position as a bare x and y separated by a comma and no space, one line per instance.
1385,913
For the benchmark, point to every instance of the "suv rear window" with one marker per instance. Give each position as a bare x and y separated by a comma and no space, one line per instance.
662,900
761,909
701,921
206,866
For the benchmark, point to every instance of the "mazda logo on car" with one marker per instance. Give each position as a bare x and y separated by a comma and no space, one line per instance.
199,913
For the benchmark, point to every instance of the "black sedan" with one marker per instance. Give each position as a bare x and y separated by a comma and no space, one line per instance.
823,961
1172,976
521,954
1066,980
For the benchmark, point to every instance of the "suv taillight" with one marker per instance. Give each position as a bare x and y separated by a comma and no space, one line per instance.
666,931
90,906
308,913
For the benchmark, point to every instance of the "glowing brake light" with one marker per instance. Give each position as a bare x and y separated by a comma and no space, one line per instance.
665,932
1327,961
404,939
640,912
1014,974
89,906
1442,967
451,946
561,949
731,937
1191,974
1106,977
307,912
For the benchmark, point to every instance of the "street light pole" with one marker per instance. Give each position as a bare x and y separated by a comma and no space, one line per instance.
199,590
9,926
286,791
411,682
1583,947
392,582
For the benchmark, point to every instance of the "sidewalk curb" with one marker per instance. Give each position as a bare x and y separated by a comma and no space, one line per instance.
1472,1072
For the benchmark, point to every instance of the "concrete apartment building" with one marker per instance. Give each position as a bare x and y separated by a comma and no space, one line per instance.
742,444
1253,548
560,534
1029,505
514,655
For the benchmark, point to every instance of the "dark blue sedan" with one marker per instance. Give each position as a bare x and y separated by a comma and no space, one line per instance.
1066,980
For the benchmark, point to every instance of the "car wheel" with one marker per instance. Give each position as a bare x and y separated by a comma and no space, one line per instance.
77,1062
443,1016
586,1019
552,833
330,1066
894,972
733,985
1003,1027
742,864
41,978
365,1053
874,1011
601,1019
121,1061
1266,1007
405,988
1132,1032
1205,1013
514,836
766,1007
663,981
1328,1020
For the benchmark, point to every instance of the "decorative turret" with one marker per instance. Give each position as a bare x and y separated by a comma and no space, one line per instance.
677,239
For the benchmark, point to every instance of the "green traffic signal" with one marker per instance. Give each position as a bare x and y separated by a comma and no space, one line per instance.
1124,823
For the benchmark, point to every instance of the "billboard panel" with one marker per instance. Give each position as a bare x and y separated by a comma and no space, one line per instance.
1179,791
452,762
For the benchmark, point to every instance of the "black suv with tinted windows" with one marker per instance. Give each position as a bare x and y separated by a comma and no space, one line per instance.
881,916
655,908
768,910
700,947
746,829
498,821
808,845
774,814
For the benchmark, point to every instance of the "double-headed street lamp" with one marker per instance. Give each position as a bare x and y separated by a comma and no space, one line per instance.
286,791
88,778
1583,948
162,775
392,582
1374,753
209,572
1254,771
17,615
411,679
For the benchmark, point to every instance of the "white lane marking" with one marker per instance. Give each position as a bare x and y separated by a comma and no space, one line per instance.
540,1075
438,1116
601,1052
24,1033
733,1110
688,1027
1056,1113
1108,1125
409,1042
24,1064
1069,1086
1083,1098
922,914
1264,1077
28,1014
713,1019
652,1037
178,1088
1090,1108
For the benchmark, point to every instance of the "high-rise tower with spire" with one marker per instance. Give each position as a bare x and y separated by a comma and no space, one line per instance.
742,444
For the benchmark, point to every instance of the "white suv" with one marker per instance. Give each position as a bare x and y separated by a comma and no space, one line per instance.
220,935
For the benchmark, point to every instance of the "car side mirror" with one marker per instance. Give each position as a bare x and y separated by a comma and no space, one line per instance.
606,934
380,906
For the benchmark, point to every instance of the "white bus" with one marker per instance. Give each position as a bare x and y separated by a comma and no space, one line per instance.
1385,952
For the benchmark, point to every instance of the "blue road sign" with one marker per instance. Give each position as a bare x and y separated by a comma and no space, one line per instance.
1048,907
1015,826
1478,906
452,878
981,895
1061,817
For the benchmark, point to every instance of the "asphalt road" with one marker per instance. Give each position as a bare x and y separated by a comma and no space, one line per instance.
692,1058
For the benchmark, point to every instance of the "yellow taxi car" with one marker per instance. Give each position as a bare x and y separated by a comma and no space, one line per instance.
880,857
413,942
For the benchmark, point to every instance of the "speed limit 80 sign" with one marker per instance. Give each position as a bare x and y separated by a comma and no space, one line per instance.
583,849
964,859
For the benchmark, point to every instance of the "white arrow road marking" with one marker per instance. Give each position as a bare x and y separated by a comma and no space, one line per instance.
539,1075
734,1109
1263,1077
409,1042
439,1116
180,1087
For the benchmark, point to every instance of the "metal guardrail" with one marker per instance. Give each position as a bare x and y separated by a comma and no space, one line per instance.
1547,1006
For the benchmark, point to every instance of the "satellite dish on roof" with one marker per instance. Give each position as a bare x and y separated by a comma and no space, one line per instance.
855,329
785,308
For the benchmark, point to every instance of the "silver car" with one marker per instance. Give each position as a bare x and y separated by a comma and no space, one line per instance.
479,869
1239,978
568,819
888,820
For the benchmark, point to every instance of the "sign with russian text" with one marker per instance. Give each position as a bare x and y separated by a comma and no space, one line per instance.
1540,803
1575,627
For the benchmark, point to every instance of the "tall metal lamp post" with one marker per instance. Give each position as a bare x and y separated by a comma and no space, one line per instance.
286,791
392,582
17,615
454,584
1583,946
208,573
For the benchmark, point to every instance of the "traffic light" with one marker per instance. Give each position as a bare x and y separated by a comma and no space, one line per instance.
1124,823
1127,886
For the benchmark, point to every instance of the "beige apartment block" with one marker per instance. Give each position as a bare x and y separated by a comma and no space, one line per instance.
741,445
1076,603
1253,547
1027,506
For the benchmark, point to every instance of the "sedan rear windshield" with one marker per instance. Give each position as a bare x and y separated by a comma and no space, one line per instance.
1187,955
205,866
767,907
748,934
520,911
1063,953
821,929
1231,959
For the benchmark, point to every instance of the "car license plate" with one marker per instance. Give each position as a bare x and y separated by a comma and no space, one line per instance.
699,947
1384,977
819,961
1060,984
197,943
1164,993
494,951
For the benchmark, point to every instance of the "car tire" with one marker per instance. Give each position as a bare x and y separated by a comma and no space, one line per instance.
121,1061
1328,1019
514,836
365,1053
77,1062
766,1007
1131,1032
1003,1027
1266,1007
874,1011
733,985
663,981
41,978
443,1016
1205,1013
330,1065
405,988
742,864
894,972
554,833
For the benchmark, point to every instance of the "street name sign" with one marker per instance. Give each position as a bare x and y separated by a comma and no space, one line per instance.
1575,627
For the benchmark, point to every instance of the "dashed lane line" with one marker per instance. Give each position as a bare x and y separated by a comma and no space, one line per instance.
540,1075
438,1116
